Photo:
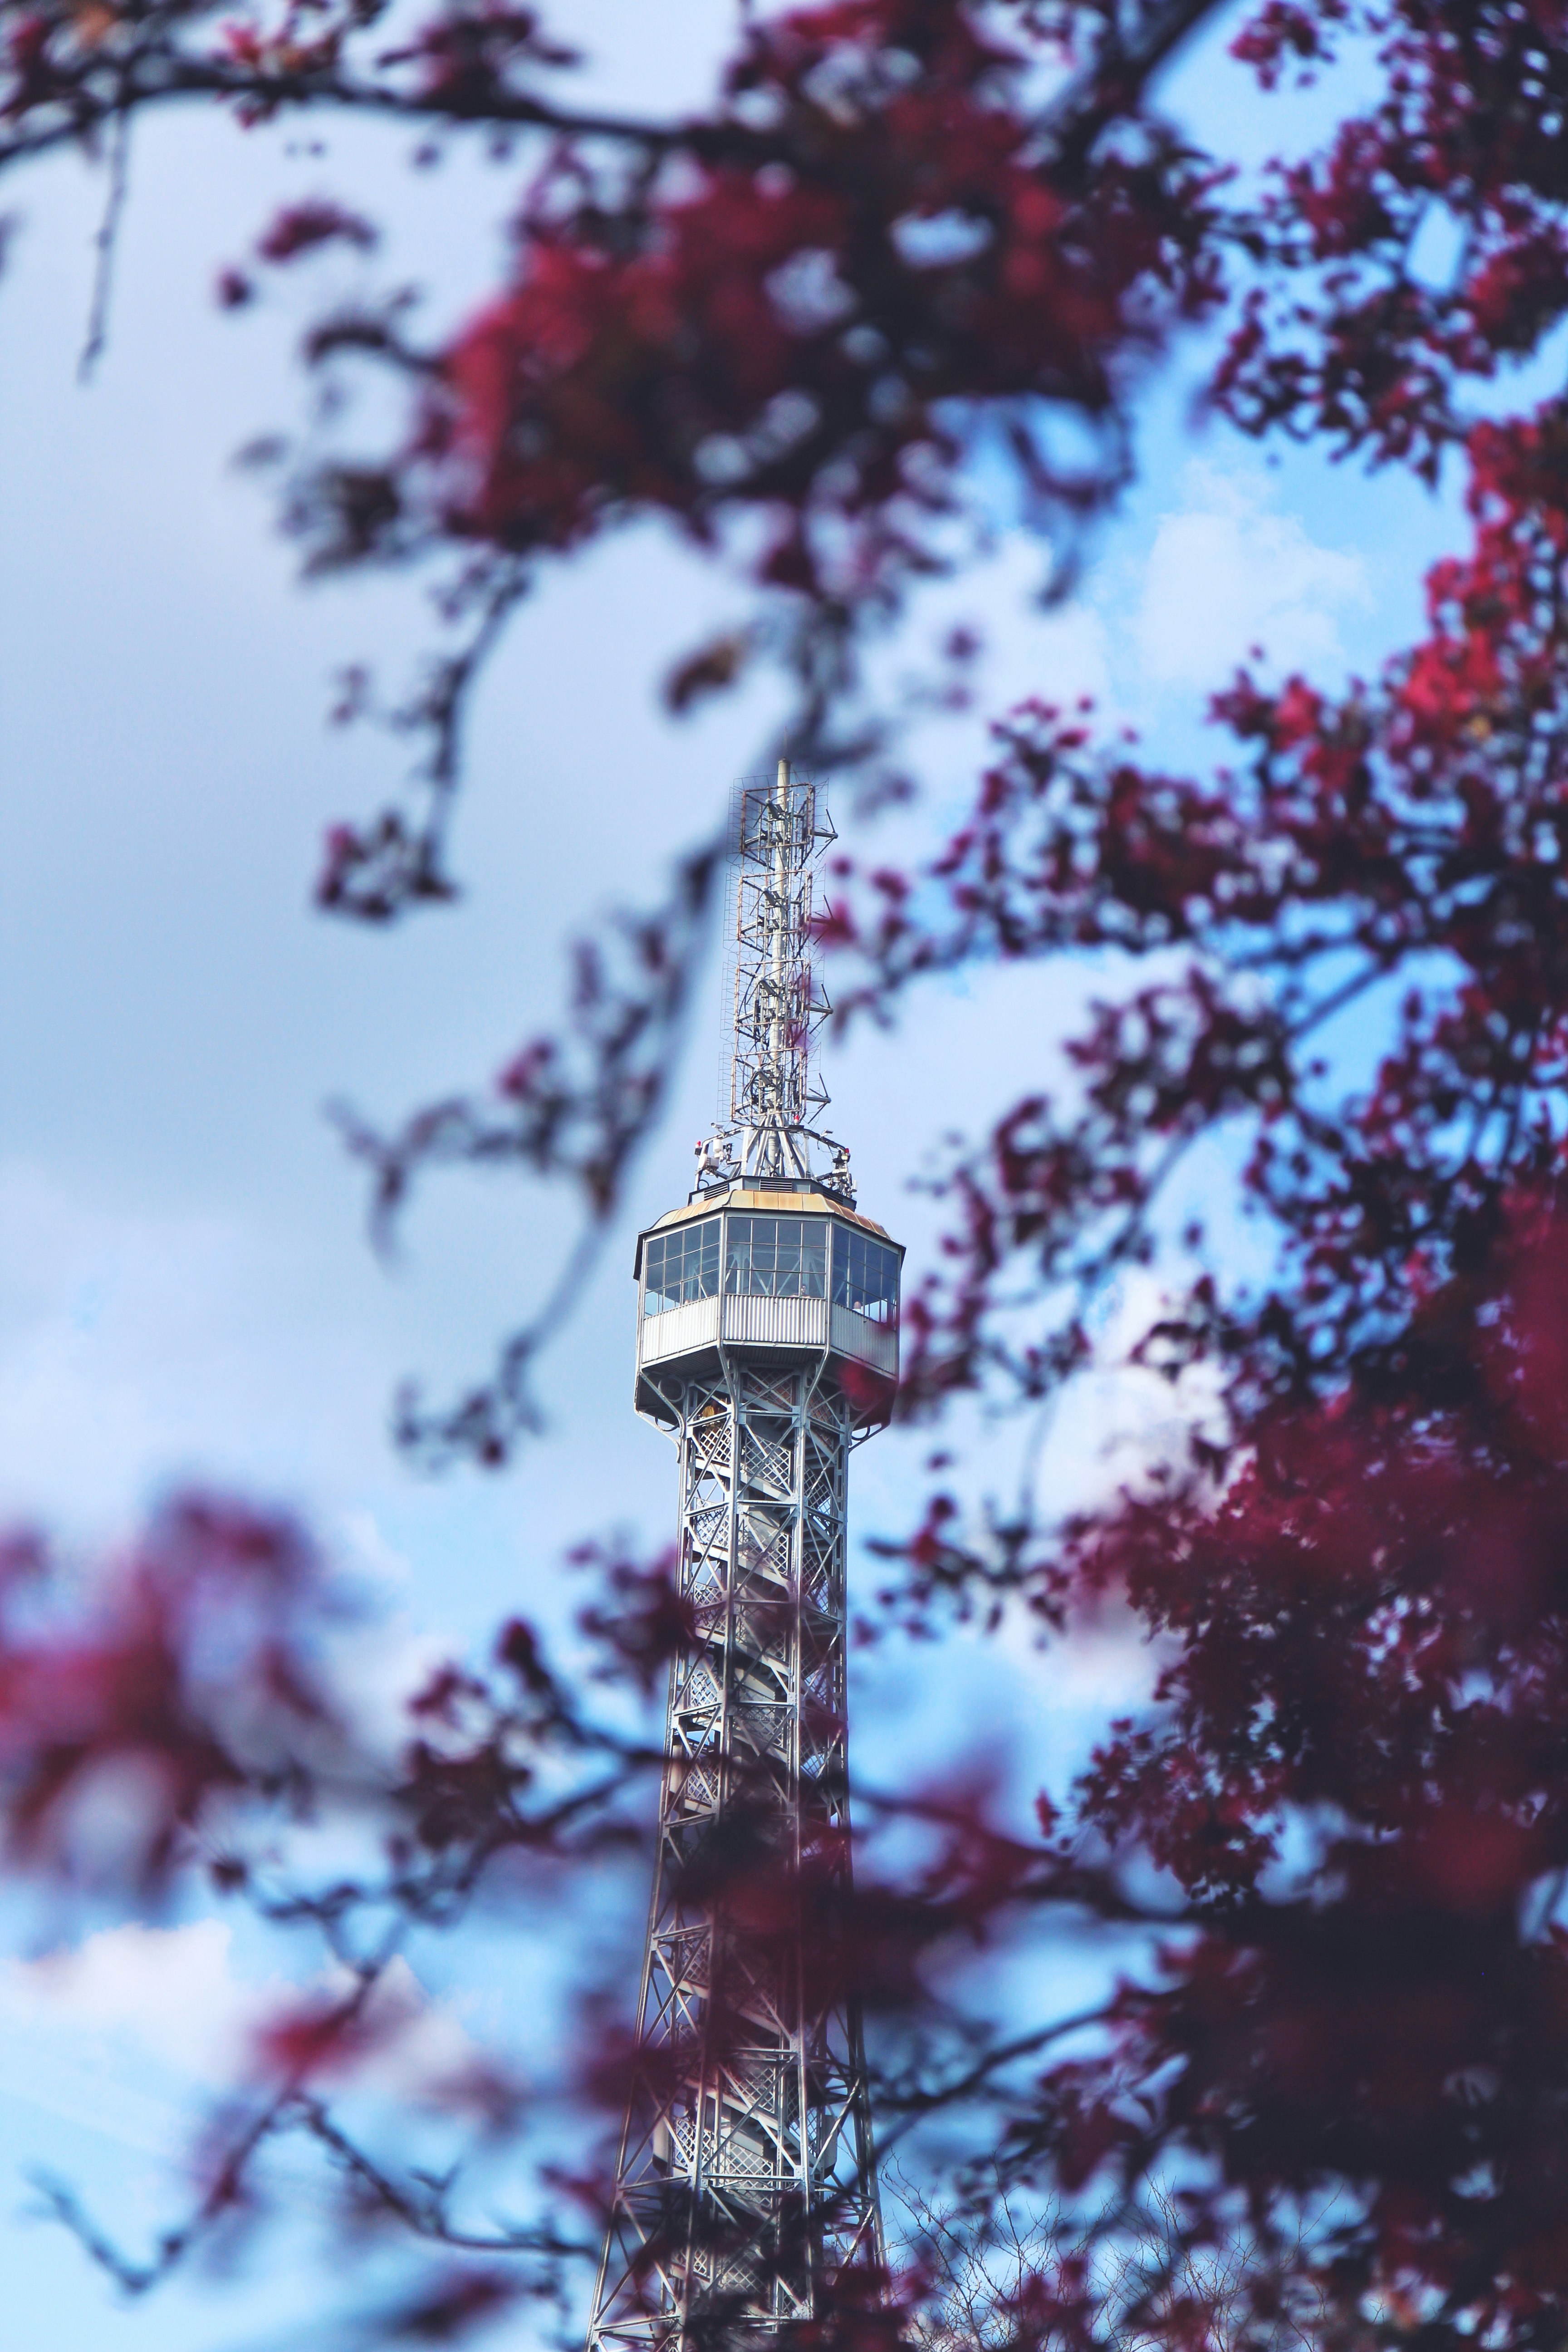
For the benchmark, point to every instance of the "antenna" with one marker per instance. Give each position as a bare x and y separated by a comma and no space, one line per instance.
771,1095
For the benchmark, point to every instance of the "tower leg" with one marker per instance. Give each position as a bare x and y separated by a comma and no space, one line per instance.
746,2182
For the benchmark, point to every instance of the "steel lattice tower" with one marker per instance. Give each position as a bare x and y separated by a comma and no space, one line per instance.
768,1349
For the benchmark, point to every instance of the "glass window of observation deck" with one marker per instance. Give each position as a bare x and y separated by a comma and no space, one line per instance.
864,1275
776,1257
679,1266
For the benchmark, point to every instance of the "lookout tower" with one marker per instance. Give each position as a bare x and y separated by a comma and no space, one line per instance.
768,1349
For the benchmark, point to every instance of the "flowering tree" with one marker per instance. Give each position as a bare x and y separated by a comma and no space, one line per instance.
907,231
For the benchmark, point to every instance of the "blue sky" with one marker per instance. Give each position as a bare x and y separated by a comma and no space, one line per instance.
185,1287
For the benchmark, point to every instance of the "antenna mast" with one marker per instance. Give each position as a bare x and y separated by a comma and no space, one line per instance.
778,827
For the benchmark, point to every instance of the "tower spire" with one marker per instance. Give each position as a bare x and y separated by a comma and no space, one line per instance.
745,2194
773,1098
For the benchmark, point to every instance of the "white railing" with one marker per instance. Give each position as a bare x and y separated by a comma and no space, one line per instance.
875,1344
769,1323
679,1331
776,1322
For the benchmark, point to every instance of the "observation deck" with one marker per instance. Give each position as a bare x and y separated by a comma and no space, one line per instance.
767,1268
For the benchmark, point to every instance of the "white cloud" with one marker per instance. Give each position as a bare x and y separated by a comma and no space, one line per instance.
1123,1426
138,1344
175,1995
387,1570
1227,571
171,1989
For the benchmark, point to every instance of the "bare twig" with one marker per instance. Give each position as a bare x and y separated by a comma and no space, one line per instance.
107,242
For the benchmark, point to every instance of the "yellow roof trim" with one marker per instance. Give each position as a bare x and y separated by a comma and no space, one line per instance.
785,1203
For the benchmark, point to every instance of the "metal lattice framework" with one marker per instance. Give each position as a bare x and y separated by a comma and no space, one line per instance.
746,2185
777,828
746,2179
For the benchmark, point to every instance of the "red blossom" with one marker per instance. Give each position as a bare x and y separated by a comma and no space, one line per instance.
304,228
192,1672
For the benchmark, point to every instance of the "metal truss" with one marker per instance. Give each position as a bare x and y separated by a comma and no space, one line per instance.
777,828
746,2179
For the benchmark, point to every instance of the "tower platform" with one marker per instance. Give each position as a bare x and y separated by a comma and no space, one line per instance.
774,1266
